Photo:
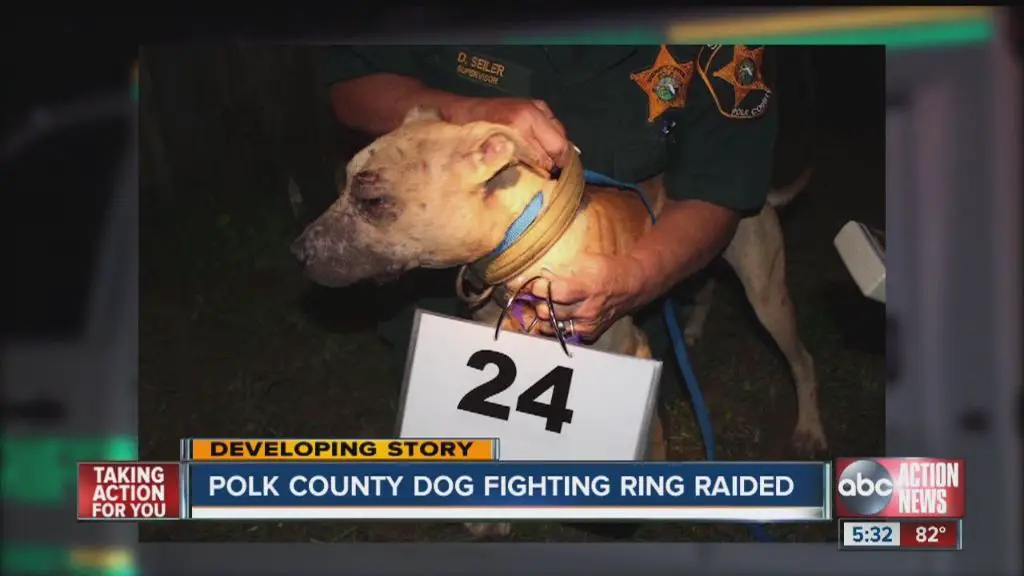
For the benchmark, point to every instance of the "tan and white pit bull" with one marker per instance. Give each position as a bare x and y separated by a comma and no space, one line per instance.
437,195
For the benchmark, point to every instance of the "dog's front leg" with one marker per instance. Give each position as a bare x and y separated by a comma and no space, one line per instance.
699,315
489,529
659,445
488,314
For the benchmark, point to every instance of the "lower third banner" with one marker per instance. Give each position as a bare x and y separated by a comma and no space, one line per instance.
732,492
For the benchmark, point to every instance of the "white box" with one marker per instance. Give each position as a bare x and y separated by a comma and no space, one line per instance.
863,252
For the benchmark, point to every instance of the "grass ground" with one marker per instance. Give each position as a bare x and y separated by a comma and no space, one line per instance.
234,342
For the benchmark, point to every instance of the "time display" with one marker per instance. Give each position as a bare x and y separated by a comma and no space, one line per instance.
871,534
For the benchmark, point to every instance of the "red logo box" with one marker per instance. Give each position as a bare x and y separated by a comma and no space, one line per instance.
900,488
129,491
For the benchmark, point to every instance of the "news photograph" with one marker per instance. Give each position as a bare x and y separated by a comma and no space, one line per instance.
516,293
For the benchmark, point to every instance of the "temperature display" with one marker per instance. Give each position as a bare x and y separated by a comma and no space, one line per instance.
900,535
931,535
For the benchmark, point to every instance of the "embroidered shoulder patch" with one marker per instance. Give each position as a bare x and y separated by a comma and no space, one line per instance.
666,83
734,75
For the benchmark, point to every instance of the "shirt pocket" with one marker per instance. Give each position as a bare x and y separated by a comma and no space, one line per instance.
637,161
640,149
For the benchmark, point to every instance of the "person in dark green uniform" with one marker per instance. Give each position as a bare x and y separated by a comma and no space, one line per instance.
701,115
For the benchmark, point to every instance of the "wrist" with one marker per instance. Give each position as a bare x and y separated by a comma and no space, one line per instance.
644,285
638,280
454,108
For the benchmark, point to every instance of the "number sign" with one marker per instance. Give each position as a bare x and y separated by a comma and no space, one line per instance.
523,390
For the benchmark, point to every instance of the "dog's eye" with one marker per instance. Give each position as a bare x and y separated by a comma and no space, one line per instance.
367,185
373,207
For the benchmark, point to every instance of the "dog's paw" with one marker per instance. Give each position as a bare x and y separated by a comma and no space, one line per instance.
489,529
809,440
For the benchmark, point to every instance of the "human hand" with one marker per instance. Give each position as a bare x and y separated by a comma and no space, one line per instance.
532,119
595,292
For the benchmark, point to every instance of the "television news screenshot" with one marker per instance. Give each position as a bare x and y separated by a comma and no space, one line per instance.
540,291
452,342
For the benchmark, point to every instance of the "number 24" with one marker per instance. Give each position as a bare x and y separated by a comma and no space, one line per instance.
559,380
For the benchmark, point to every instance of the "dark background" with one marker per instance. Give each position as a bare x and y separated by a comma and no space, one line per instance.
234,342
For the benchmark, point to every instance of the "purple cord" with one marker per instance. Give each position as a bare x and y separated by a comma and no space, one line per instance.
516,309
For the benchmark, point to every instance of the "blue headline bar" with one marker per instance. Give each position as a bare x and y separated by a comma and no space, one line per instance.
509,484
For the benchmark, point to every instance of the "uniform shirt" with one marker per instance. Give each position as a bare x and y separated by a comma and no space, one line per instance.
702,115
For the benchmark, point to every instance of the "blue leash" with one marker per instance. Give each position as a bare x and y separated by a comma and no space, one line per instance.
679,346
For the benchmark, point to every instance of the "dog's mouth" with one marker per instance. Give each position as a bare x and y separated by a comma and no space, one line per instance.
342,268
387,277
390,272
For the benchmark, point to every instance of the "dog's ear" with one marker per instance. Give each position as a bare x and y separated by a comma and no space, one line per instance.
494,147
418,113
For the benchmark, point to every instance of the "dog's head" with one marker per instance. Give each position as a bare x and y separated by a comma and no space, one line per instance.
430,194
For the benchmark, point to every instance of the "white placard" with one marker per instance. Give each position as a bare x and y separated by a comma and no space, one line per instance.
454,388
864,258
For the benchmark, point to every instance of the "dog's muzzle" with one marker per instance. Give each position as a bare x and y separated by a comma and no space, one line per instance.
334,259
300,250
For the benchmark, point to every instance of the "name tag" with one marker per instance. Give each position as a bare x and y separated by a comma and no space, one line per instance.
487,70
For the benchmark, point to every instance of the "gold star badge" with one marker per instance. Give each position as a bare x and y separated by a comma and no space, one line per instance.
743,72
665,83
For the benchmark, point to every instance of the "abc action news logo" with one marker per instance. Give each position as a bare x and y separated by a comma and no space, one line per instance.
900,487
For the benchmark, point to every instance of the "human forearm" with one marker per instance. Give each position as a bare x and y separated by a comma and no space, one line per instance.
686,237
378,103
